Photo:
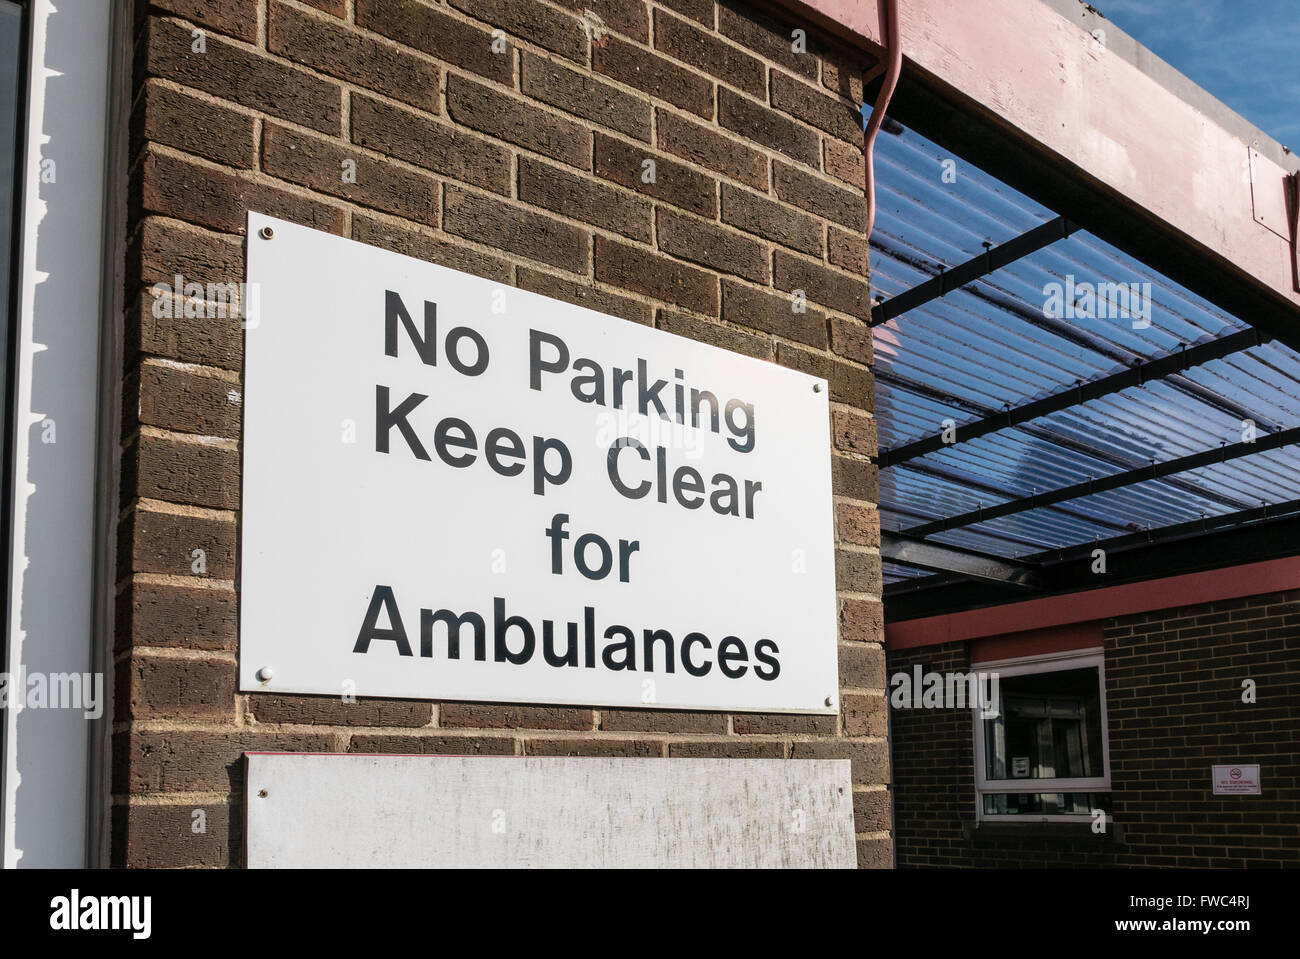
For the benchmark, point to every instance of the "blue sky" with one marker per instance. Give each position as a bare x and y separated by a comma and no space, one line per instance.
1245,52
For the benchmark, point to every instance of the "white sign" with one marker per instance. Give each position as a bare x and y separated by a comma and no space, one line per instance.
1241,780
454,489
311,811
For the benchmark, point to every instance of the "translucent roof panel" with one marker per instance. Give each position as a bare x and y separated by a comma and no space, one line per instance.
1071,312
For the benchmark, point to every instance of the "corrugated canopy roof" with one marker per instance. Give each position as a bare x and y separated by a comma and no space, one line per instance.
1146,390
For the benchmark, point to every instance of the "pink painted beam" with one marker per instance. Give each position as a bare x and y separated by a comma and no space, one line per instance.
1047,612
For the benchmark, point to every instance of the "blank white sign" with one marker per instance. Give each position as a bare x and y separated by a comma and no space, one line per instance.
354,811
423,448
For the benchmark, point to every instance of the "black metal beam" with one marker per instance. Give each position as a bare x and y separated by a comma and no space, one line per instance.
949,559
1166,534
971,483
1039,432
1082,393
993,258
1104,484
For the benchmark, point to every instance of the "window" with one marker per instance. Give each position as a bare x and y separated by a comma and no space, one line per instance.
1041,749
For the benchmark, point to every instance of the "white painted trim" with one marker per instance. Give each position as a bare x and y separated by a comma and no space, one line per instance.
57,368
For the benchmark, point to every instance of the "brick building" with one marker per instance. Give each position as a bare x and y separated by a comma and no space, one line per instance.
509,140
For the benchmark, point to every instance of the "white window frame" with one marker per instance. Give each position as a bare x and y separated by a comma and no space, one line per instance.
1024,665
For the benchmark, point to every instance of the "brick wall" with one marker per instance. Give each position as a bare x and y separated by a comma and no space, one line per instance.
1174,703
523,165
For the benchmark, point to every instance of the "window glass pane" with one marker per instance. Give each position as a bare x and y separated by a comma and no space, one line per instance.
1048,727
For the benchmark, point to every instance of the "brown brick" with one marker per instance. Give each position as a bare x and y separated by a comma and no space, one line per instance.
858,573
234,73
862,666
863,619
855,479
439,147
164,248
431,31
517,121
762,310
853,432
581,198
235,17
641,271
728,749
338,8
359,58
842,74
875,854
196,126
701,145
844,162
865,716
715,334
191,760
586,96
852,339
832,114
152,541
675,183
433,745
871,811
316,163
533,21
182,471
150,614
704,51
584,294
846,250
839,291
662,721
157,325
627,17
661,78
771,220
761,124
487,220
336,711
162,687
773,40
185,401
870,760
820,197
593,747
495,716
410,242
171,186
848,383
699,10
859,525
697,241
759,723
156,836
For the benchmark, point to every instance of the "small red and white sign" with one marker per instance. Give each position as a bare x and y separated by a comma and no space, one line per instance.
1236,780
